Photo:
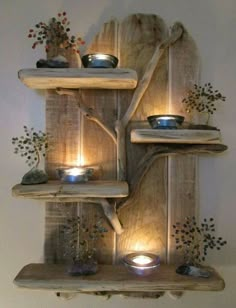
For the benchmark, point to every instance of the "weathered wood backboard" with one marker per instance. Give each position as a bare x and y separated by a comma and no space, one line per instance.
168,190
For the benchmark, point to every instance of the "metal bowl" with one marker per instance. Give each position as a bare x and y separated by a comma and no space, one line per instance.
165,121
99,60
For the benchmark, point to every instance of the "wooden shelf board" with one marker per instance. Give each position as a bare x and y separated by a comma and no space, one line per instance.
54,277
55,191
175,136
74,78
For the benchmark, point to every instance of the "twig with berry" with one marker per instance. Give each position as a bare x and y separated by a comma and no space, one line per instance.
55,33
31,146
195,240
203,99
81,236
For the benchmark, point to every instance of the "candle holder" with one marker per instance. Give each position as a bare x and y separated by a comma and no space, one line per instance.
99,60
141,263
165,121
74,174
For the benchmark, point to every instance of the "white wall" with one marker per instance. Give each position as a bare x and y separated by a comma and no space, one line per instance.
212,23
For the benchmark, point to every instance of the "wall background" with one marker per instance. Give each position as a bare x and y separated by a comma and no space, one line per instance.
212,23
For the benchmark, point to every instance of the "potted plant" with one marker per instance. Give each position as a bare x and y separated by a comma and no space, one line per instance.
81,237
194,241
203,100
55,35
33,147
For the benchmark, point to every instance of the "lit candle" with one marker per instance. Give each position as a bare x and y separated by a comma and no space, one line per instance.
75,174
142,260
143,263
165,121
76,171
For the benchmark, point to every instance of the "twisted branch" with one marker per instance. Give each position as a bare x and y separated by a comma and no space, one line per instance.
88,112
159,151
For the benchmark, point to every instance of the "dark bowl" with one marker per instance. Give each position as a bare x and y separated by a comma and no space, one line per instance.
99,60
165,121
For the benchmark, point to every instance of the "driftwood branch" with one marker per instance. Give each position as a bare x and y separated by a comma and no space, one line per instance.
160,151
88,112
121,154
177,32
109,211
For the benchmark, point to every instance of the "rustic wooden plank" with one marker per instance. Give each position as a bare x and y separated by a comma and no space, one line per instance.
64,191
73,78
175,136
145,219
97,147
54,277
63,122
183,176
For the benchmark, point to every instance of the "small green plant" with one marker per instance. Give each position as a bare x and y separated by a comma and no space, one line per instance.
195,240
32,146
203,99
81,237
55,33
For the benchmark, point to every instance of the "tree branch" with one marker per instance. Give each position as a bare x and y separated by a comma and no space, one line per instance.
88,112
160,151
109,211
177,32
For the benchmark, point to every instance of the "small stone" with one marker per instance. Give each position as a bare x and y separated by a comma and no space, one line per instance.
55,62
34,176
190,270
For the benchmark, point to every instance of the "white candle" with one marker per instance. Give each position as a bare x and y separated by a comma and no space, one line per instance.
142,260
76,171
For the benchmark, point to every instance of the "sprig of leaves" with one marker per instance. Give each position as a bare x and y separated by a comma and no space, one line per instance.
55,33
31,146
203,99
81,237
195,240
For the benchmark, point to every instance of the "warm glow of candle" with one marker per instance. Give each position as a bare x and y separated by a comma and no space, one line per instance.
169,117
142,260
76,171
80,161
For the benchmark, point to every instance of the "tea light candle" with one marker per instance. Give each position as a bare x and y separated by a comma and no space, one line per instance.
142,260
76,171
142,263
74,174
165,121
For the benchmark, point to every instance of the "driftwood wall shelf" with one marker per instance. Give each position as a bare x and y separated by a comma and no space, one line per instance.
97,117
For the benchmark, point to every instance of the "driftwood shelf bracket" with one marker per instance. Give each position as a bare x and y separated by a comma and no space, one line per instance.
159,151
109,211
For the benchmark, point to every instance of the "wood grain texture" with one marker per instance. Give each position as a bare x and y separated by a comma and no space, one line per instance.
161,151
113,278
83,78
145,219
175,136
55,190
97,147
184,71
63,126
